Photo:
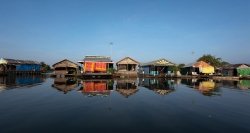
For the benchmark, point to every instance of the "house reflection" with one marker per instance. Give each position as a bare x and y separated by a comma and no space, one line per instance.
244,84
96,87
232,84
127,87
11,82
206,87
65,84
160,86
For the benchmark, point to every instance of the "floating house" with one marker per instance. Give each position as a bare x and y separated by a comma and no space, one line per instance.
198,68
66,68
157,67
127,66
7,65
236,70
97,65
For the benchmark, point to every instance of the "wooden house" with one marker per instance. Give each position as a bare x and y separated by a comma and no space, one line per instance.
66,68
236,70
157,67
7,65
198,68
97,64
127,66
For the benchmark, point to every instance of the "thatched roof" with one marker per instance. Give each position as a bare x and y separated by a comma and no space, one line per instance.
65,63
159,62
127,60
14,61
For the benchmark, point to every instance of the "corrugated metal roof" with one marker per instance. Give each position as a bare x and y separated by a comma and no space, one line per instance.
159,62
14,61
97,58
234,66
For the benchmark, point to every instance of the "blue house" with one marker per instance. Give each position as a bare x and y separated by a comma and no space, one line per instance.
19,65
156,67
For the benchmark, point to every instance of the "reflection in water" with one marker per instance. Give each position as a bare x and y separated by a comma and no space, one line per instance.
160,86
96,87
185,110
244,84
10,82
206,87
65,84
127,87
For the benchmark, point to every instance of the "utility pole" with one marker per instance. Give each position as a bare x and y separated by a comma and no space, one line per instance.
111,49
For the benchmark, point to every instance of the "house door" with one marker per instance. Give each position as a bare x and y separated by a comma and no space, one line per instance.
129,67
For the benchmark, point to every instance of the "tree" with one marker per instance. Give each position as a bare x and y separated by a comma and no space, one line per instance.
212,60
45,67
176,68
181,66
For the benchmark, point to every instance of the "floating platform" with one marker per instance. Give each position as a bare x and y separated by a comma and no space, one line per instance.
214,77
125,75
96,76
62,75
6,73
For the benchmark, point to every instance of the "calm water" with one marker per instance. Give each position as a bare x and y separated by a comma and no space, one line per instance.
37,104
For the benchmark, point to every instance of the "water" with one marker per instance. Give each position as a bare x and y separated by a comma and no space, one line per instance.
38,104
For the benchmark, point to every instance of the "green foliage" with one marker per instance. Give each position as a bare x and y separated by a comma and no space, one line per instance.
243,71
111,70
45,67
181,66
176,68
212,60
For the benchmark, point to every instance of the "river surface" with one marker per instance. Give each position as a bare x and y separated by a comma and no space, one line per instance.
48,105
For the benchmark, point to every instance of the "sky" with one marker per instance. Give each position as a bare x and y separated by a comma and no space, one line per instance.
178,30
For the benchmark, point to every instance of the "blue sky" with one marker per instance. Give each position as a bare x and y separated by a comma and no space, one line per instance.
178,30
